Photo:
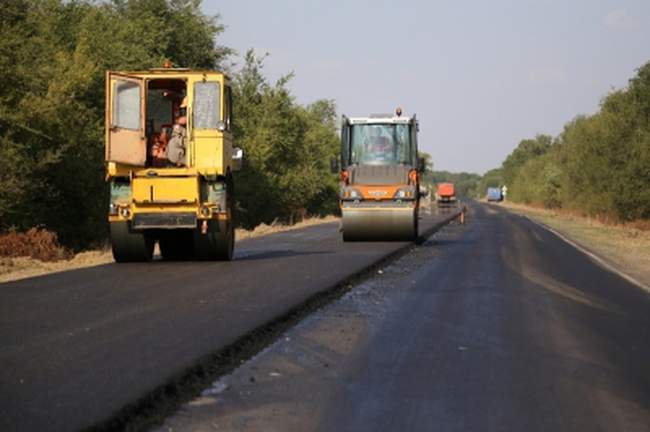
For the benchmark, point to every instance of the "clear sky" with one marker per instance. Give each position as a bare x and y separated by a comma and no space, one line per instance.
480,74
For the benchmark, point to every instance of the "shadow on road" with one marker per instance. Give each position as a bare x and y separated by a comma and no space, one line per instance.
250,256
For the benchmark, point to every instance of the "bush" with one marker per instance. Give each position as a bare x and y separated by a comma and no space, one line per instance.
37,243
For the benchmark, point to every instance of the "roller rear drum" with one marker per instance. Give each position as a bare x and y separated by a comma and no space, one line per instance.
379,224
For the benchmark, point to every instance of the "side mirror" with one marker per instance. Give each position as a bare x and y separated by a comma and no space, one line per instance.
422,164
221,126
334,165
237,158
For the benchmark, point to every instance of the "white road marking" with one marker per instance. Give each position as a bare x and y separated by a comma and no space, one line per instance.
593,256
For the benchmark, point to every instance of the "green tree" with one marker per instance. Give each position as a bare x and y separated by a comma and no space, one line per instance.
53,56
287,147
526,150
599,165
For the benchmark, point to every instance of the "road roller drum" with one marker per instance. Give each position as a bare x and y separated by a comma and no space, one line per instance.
379,223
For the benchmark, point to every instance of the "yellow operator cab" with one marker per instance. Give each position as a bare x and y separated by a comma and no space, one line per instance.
170,162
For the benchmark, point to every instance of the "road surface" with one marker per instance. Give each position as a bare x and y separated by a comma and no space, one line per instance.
78,346
499,326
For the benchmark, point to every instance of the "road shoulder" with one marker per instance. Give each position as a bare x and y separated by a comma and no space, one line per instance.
620,249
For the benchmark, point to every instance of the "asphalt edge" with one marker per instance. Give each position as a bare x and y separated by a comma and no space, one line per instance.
594,256
601,261
152,408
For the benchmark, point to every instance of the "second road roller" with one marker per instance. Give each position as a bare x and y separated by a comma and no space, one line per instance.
379,171
170,160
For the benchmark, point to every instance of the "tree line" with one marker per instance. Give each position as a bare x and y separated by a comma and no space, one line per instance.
53,57
598,165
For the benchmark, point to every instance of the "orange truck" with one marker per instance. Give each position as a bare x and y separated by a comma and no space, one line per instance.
446,195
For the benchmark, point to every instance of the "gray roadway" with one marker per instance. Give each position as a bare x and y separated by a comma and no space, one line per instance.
500,326
75,347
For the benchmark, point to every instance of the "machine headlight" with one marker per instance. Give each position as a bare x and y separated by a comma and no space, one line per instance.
404,194
205,211
112,209
351,194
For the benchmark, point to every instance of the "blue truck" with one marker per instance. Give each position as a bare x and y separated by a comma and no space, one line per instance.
494,194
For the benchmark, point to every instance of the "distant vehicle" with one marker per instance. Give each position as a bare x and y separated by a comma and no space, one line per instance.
494,194
446,195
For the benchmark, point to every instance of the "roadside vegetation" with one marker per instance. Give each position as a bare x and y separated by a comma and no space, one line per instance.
599,166
36,243
53,57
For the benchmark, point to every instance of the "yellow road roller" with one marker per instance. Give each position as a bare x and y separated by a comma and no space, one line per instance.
170,162
379,171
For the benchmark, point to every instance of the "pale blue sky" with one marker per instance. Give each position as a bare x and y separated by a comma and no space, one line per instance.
481,75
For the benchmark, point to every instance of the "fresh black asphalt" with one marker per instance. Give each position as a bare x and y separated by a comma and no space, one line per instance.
77,346
497,326
511,329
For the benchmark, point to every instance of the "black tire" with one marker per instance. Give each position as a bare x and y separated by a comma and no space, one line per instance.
218,243
205,245
416,224
129,245
226,241
177,245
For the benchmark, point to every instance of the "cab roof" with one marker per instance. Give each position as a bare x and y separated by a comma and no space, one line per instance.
380,119
171,71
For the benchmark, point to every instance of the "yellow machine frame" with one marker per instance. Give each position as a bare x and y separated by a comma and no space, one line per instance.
187,197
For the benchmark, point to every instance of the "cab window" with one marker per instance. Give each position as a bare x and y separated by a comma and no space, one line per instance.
206,105
126,105
380,144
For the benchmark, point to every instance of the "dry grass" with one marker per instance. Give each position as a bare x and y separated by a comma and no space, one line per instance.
627,246
15,267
